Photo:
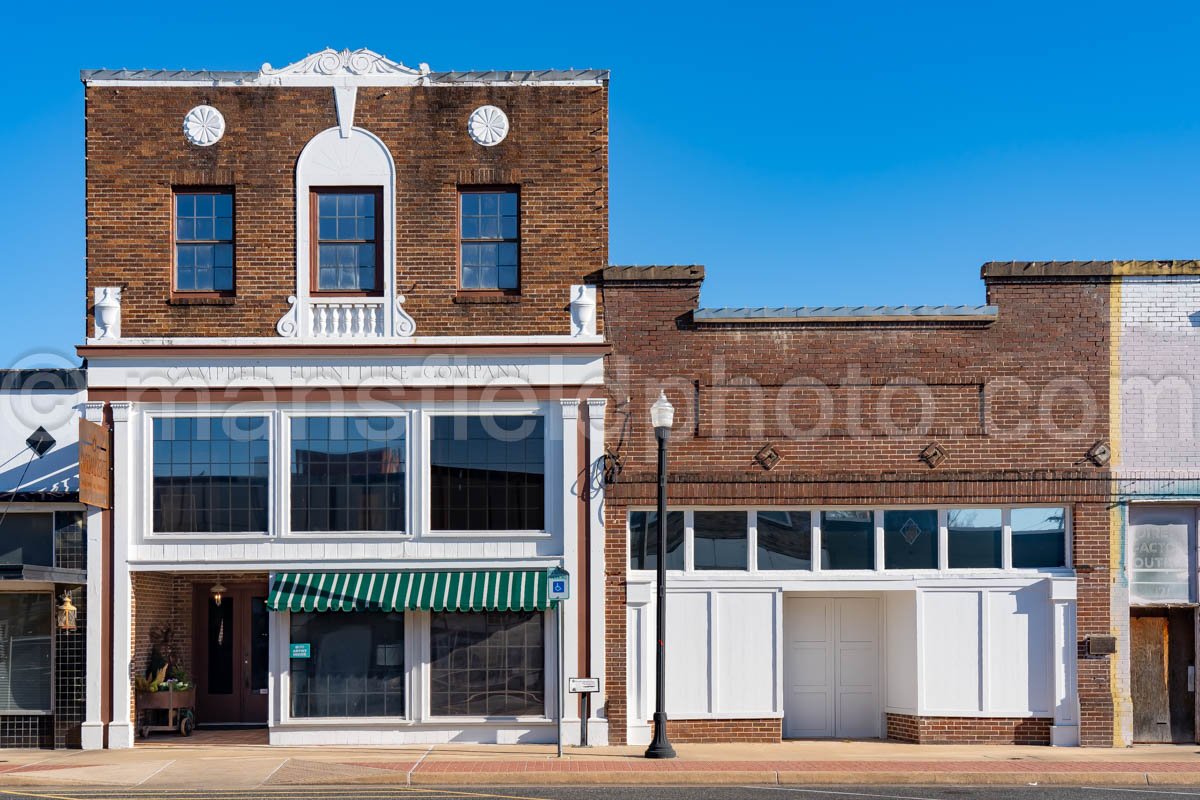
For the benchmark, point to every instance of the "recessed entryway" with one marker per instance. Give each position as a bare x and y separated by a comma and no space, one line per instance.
831,667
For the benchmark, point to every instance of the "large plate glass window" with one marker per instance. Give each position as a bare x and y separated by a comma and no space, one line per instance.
204,241
27,539
1039,537
847,540
347,231
976,538
348,473
488,473
719,540
354,665
910,539
643,539
211,474
487,664
490,244
784,540
25,646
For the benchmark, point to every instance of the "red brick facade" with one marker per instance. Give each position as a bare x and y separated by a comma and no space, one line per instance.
1016,404
969,730
556,154
715,731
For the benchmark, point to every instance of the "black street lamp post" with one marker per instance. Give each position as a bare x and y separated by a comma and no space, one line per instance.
662,414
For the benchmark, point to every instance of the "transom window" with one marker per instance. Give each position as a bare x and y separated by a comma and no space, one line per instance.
488,473
764,540
203,241
211,474
490,239
347,232
348,473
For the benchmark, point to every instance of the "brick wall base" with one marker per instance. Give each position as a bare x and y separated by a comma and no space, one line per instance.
968,730
715,731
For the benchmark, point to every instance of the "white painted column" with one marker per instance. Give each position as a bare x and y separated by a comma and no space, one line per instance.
1065,730
569,434
92,730
120,730
598,723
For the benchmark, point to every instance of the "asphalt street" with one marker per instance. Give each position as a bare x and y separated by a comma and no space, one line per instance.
620,793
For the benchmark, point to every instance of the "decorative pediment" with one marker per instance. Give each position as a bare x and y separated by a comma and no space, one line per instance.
330,63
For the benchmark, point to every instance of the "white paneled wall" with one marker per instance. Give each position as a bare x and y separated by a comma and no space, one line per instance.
986,652
900,652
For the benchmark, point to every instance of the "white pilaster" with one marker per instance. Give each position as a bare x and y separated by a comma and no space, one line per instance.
1065,731
598,723
569,430
120,730
92,730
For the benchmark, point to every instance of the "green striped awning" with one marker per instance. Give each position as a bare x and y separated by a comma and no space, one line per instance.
492,590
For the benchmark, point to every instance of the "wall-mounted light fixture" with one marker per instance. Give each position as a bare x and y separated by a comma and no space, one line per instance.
217,592
67,613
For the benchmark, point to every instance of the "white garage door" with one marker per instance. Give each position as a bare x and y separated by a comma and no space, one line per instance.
831,668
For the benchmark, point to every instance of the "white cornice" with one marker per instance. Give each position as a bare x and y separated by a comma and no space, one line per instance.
343,67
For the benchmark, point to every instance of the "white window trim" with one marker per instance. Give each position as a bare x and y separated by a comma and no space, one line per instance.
942,570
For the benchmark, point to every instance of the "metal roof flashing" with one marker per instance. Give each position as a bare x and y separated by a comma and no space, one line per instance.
827,314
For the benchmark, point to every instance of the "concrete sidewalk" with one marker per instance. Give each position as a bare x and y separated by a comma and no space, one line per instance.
209,761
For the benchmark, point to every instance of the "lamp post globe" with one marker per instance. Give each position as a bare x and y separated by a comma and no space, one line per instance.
662,416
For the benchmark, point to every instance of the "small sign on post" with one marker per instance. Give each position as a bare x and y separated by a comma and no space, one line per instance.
583,685
558,587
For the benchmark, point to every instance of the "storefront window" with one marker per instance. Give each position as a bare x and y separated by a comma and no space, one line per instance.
348,473
719,539
211,474
25,645
643,540
1039,537
847,540
353,665
70,549
27,539
487,664
976,538
487,473
910,540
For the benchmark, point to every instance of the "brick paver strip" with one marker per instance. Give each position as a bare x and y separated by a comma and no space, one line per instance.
637,765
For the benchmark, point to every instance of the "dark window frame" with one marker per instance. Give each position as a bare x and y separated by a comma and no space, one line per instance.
314,244
176,191
460,240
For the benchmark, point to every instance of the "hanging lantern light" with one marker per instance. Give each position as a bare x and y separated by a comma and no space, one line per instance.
67,613
218,593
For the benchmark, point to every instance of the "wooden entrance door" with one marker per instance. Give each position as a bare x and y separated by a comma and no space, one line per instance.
1160,662
231,643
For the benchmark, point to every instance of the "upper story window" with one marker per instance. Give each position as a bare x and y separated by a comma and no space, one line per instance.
211,474
490,238
348,473
487,473
204,240
346,256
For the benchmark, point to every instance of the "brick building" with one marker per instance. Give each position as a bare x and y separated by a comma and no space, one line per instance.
893,522
353,330
343,325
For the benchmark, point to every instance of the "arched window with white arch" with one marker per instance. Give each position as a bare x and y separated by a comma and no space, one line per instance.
345,241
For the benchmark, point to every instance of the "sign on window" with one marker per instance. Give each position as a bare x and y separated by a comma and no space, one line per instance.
1160,570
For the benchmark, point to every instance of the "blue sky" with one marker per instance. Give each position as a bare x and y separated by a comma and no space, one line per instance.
806,153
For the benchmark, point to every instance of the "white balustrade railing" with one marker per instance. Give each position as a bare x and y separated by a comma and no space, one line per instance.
346,319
